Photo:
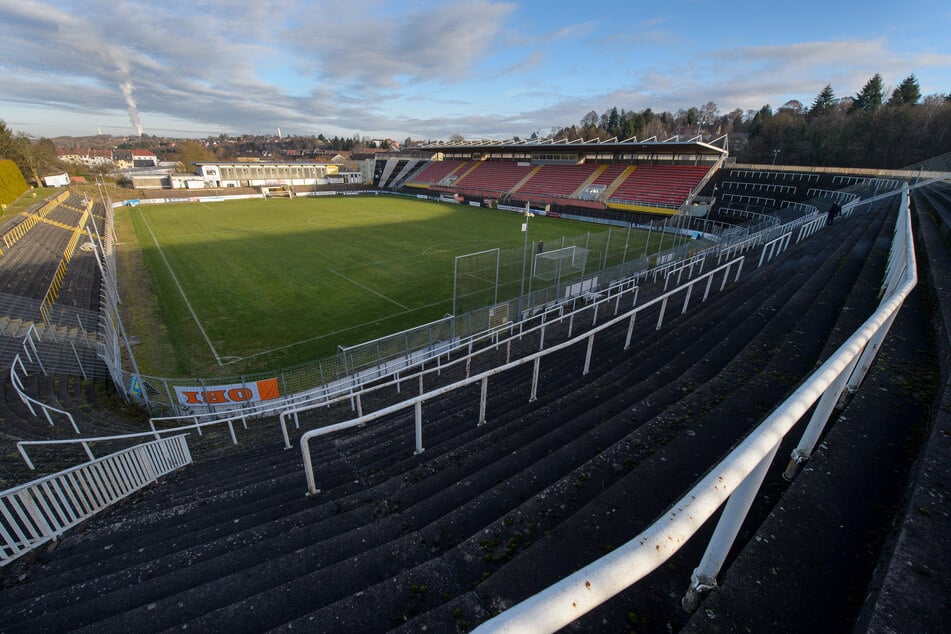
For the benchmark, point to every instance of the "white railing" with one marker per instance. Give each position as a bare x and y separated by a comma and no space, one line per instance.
515,332
323,399
810,228
353,385
37,512
774,247
535,358
734,480
31,403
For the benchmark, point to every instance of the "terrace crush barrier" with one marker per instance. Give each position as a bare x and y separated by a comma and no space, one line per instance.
348,380
735,480
350,384
40,511
733,267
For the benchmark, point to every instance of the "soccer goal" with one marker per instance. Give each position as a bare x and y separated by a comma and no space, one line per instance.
563,262
283,191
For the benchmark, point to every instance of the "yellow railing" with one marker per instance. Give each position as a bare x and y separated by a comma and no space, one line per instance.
10,237
53,291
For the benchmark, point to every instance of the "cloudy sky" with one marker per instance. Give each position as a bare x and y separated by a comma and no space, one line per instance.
429,69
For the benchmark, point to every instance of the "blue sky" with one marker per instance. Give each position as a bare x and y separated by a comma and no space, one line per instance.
431,69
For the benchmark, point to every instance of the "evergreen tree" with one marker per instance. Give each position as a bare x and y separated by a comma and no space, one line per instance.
872,96
907,94
824,102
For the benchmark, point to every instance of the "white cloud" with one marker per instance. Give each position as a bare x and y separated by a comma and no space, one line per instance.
424,68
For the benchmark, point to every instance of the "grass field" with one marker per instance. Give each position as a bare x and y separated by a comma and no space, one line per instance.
253,285
27,200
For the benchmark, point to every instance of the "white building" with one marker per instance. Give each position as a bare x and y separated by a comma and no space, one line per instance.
86,156
270,174
247,174
56,180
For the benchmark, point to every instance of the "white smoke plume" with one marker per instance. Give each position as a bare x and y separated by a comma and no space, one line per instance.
126,87
120,58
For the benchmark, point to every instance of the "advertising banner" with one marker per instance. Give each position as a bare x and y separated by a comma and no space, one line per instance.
234,394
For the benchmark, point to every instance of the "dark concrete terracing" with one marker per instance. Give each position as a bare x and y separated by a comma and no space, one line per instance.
489,515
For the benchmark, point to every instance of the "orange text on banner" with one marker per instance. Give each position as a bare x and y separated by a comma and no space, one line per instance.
235,394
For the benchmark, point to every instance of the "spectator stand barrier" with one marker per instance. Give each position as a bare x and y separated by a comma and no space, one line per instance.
30,351
10,237
734,480
40,511
416,402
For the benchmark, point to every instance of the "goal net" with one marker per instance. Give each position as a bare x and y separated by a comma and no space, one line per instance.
563,262
282,191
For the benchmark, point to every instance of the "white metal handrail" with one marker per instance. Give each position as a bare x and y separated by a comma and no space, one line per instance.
39,511
29,401
303,401
774,247
535,358
734,480
613,294
311,401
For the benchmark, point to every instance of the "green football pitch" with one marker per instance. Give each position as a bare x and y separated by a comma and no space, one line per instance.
261,284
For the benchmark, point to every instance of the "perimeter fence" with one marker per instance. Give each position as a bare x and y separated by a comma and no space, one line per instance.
493,289
496,276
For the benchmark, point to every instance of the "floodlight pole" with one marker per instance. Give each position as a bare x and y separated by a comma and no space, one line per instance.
521,292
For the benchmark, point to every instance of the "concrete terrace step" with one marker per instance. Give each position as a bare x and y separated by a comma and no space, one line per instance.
837,513
472,502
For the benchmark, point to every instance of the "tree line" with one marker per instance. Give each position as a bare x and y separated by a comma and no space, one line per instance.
864,130
867,129
30,154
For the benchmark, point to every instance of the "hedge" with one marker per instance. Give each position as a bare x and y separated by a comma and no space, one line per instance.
12,184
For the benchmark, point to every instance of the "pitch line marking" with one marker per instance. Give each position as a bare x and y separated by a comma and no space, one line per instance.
330,334
180,289
367,288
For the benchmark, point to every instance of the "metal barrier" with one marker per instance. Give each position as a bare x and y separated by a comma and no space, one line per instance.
734,480
11,236
534,358
17,383
774,247
39,511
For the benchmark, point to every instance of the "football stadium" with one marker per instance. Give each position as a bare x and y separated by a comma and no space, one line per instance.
501,386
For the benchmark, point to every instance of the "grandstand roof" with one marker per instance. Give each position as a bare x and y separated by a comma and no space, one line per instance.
693,146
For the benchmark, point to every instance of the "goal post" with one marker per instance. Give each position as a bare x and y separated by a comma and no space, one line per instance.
475,280
554,265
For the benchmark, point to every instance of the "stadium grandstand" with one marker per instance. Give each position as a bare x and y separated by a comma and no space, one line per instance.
703,441
649,177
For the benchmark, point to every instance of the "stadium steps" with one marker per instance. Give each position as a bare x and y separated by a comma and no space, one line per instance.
696,430
345,616
82,282
404,553
95,407
410,550
836,515
914,571
869,485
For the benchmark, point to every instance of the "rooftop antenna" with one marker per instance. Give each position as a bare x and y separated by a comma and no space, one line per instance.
279,133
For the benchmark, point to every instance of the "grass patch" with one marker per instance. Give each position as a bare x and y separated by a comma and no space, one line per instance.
279,282
30,198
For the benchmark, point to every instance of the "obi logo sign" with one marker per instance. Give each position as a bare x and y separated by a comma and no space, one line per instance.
235,394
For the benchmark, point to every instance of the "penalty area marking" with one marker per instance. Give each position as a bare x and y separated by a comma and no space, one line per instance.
367,288
328,334
180,289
